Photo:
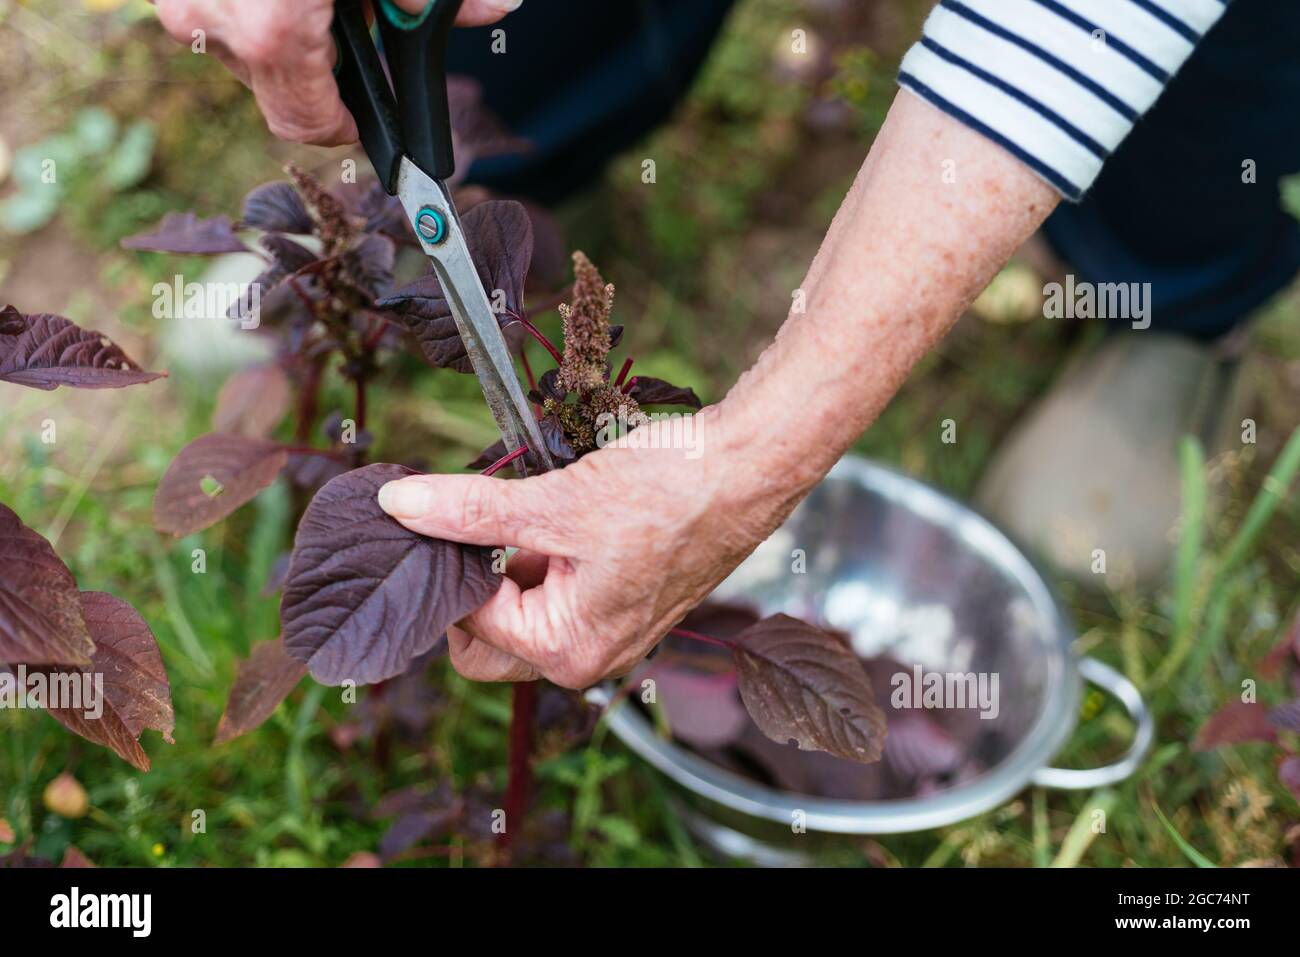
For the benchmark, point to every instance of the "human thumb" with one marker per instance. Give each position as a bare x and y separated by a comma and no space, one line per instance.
472,509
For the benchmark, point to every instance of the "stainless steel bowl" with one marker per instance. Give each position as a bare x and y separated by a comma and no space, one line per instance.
910,573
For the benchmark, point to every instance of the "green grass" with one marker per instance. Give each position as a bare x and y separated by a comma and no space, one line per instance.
703,261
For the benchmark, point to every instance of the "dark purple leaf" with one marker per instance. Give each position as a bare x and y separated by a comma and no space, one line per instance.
802,772
332,429
21,857
421,813
277,208
75,859
500,238
51,351
41,618
403,708
384,214
12,322
289,255
650,391
702,709
564,719
556,441
211,478
1285,652
365,596
615,336
253,401
369,264
550,265
276,576
263,681
548,386
409,703
409,830
1288,772
414,797
919,747
805,686
1235,723
186,233
311,471
476,131
1286,716
275,299
136,692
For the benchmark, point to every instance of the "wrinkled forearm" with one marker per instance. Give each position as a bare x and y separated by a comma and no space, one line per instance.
905,256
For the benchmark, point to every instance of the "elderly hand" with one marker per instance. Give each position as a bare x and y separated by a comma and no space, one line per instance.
283,51
615,549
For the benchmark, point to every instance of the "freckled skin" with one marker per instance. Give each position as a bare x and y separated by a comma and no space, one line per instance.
282,51
637,537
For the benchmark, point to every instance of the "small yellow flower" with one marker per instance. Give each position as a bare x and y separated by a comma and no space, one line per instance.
159,850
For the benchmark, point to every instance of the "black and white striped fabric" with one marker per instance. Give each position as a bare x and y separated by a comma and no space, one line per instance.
1059,83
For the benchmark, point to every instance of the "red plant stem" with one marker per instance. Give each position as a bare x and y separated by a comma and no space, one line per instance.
622,373
307,400
629,385
522,705
377,332
359,415
540,337
502,462
696,636
306,299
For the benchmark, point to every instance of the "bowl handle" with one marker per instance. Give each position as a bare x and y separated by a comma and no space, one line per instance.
1114,683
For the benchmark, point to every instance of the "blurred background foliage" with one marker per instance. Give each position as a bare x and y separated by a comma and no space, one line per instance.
749,175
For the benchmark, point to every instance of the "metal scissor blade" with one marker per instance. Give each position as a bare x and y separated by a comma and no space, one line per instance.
471,310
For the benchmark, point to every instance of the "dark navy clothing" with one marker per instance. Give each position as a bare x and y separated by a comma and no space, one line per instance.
1171,207
587,79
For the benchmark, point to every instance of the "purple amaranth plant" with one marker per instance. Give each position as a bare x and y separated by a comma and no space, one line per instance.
1247,721
364,599
52,634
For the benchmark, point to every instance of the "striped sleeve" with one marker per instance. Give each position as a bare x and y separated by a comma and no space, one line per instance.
1058,83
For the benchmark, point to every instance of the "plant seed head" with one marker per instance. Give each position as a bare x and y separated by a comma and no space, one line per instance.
586,329
327,210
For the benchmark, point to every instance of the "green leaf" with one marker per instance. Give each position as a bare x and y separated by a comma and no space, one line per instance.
618,831
95,130
35,164
131,159
1082,833
1187,563
1271,494
1192,466
1191,853
29,210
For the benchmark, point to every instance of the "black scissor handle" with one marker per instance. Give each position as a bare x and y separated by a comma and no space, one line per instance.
416,121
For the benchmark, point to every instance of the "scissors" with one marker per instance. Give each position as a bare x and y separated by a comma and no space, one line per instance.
406,132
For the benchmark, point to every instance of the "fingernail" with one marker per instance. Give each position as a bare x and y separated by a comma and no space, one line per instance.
405,499
507,6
